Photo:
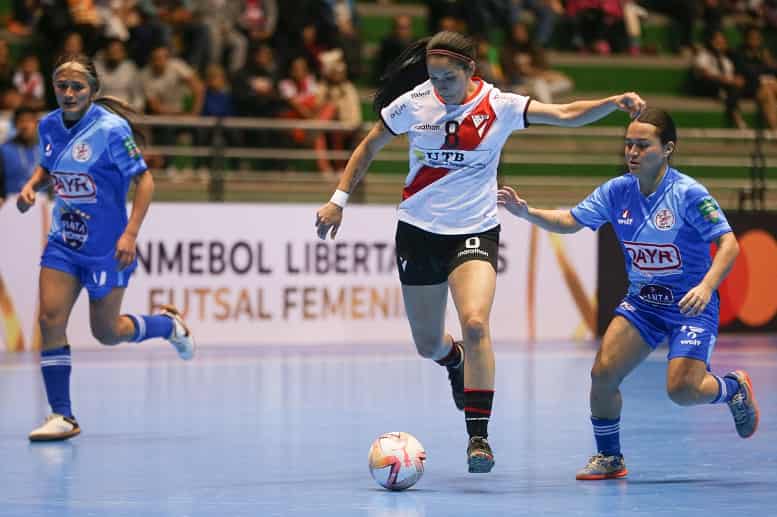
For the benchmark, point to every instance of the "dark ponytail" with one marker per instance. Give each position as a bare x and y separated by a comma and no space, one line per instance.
409,69
112,104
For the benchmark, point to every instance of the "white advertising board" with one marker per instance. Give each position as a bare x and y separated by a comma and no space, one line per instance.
257,274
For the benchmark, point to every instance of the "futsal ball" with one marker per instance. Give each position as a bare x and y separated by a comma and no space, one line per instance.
397,460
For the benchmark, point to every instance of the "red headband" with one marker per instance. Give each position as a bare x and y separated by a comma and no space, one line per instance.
449,53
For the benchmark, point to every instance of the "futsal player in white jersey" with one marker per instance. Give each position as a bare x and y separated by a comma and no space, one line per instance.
448,232
665,222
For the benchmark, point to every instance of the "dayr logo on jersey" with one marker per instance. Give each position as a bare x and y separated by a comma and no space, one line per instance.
77,187
654,258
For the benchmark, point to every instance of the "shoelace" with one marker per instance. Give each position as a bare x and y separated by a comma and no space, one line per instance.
739,408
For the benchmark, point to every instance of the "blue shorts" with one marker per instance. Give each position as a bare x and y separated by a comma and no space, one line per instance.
692,337
99,275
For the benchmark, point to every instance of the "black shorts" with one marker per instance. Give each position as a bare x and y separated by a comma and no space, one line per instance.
425,258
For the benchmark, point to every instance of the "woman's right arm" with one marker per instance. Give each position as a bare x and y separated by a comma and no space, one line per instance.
330,215
40,179
556,221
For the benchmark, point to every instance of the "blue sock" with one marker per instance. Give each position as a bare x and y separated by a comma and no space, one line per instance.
55,367
607,434
727,388
147,327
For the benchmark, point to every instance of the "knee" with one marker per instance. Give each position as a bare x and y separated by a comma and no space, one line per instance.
475,328
604,373
106,335
683,392
50,320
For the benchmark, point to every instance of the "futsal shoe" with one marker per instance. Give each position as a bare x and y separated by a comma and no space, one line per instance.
456,376
480,457
55,428
743,405
181,338
603,467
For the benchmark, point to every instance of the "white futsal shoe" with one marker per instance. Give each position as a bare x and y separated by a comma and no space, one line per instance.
181,338
56,427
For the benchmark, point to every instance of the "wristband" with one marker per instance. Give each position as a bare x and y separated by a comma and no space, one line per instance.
339,198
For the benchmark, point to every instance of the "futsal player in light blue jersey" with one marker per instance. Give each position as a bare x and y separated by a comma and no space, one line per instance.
665,222
88,153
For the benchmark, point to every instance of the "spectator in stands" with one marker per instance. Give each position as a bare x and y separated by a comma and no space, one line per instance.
713,75
191,31
146,31
258,20
439,10
218,97
546,14
73,43
227,44
9,97
340,101
28,82
487,63
19,155
345,20
598,24
526,68
256,93
682,14
119,76
166,83
759,68
392,45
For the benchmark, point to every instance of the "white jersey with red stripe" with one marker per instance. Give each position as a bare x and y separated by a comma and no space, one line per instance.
454,152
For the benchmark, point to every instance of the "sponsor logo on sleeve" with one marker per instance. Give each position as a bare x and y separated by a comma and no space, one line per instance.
397,111
664,219
418,95
132,148
654,258
709,210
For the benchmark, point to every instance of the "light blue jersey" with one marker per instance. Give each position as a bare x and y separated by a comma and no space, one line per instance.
92,164
665,239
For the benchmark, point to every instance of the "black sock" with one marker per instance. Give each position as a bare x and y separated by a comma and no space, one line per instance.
453,358
477,411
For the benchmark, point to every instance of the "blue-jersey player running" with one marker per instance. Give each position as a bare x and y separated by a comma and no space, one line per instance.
88,152
664,221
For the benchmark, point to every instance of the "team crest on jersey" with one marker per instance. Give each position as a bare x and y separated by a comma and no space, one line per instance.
480,120
82,152
664,219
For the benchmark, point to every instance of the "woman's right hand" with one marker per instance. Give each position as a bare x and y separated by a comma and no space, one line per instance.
26,198
508,198
328,216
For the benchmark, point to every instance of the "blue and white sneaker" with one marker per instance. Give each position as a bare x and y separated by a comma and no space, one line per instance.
181,338
603,467
743,405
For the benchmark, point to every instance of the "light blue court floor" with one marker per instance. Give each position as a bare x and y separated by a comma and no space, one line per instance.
266,431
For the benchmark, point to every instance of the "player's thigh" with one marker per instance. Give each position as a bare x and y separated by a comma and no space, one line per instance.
57,294
684,373
425,309
623,348
104,311
472,285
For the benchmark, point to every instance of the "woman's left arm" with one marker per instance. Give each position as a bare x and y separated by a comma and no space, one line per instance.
695,300
580,113
144,191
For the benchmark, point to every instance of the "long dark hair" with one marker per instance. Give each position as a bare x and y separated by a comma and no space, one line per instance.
409,69
666,129
112,104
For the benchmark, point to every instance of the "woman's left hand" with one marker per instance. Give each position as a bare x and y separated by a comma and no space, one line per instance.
695,301
125,250
631,103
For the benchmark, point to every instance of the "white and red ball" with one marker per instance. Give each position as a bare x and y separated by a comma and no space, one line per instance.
397,460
